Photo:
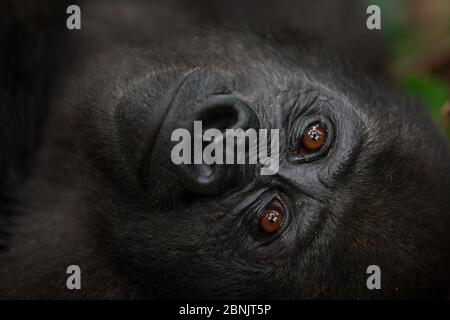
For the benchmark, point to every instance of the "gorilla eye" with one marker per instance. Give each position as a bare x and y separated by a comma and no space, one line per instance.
313,138
272,217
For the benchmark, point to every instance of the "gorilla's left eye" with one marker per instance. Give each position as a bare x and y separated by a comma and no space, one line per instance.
272,218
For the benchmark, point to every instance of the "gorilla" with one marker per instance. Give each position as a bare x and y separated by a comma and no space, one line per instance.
87,179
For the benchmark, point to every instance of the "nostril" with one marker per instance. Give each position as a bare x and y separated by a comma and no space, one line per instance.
219,117
220,112
226,112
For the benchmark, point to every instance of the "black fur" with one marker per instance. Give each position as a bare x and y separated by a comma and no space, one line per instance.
104,195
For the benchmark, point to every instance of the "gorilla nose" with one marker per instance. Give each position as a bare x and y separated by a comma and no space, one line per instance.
226,112
219,113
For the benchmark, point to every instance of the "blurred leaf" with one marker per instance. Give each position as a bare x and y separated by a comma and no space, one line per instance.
408,42
433,91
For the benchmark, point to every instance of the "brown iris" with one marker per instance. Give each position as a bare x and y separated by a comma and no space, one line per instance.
272,217
313,138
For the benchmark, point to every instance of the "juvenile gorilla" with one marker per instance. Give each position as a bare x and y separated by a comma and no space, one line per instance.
103,193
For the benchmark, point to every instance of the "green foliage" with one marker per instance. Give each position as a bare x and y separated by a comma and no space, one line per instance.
433,91
406,42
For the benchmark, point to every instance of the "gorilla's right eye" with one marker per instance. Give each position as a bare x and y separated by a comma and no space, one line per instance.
272,217
313,138
314,141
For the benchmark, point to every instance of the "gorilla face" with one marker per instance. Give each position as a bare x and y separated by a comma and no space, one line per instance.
363,179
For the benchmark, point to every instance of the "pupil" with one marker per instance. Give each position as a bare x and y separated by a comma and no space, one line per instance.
273,217
313,135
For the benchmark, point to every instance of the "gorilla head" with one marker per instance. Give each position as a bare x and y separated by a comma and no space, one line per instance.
375,191
363,179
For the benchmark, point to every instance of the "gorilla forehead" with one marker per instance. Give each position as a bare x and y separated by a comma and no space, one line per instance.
260,67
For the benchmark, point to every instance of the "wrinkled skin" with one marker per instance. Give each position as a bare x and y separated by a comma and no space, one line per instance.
104,194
